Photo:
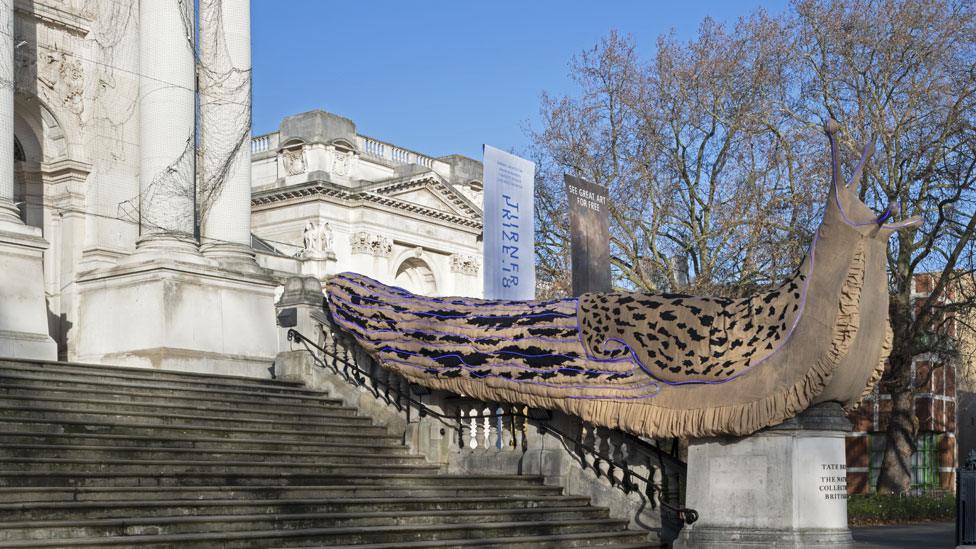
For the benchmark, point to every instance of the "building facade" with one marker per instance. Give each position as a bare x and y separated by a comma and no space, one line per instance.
127,234
935,461
326,199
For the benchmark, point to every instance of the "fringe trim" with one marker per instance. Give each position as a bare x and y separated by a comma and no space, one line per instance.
878,370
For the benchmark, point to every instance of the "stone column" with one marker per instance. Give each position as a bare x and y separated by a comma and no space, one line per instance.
225,129
23,309
8,211
167,110
785,486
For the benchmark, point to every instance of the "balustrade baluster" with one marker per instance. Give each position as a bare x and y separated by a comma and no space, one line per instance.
588,441
512,427
616,441
487,427
603,435
459,414
524,427
498,441
473,428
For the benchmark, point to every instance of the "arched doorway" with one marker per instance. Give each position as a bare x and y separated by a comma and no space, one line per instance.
416,276
28,185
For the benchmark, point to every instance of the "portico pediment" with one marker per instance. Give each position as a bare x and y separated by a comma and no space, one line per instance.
428,190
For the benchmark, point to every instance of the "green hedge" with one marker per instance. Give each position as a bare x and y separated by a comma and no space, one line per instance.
877,509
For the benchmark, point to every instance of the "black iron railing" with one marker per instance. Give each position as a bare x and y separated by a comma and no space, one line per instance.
356,367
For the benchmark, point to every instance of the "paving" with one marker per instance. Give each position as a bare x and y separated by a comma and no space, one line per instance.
928,535
95,456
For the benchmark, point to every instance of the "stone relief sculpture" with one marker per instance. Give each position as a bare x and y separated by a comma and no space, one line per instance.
318,240
656,365
465,264
72,78
367,243
342,164
293,160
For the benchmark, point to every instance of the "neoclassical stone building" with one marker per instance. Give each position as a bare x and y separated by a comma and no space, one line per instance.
126,192
374,207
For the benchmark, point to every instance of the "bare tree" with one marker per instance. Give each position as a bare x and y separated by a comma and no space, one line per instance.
713,158
706,188
905,73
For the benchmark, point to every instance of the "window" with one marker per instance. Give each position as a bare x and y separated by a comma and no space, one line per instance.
925,469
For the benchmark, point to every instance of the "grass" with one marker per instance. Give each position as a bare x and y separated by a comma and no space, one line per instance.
878,509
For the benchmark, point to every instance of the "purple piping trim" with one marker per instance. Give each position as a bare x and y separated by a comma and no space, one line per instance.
884,217
541,383
879,221
451,317
509,364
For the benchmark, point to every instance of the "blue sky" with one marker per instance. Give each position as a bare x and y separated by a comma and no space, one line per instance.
443,77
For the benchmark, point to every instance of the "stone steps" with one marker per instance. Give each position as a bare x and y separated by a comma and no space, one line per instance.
444,489
161,468
254,395
330,537
242,431
123,457
161,525
340,425
86,510
322,443
41,366
612,540
199,401
83,404
201,455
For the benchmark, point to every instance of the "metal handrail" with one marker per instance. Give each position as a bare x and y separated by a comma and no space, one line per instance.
353,374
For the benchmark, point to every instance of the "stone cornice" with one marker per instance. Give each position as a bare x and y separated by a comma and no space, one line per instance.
357,197
53,17
65,170
432,182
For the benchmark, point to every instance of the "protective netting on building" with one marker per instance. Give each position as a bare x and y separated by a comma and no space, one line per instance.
224,76
222,126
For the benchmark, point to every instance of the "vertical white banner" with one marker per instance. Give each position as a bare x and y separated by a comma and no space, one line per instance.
509,205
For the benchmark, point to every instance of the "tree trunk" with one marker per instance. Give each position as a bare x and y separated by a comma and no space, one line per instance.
896,468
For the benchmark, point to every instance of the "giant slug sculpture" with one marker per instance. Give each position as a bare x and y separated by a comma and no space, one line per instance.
656,365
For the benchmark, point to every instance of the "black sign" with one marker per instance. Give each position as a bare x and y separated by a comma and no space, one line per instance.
590,228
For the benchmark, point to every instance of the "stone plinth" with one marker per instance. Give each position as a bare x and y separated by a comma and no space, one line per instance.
23,310
304,294
785,486
190,316
319,265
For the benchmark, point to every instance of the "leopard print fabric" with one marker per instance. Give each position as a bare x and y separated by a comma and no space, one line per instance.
680,338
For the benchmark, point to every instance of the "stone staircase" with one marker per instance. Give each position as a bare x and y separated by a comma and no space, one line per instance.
95,456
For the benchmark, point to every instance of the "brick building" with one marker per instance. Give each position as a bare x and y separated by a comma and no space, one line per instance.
935,461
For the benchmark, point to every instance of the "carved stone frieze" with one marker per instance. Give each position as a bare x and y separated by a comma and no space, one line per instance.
465,264
293,160
343,163
364,242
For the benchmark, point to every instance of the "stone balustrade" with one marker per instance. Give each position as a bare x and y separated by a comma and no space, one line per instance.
368,147
262,143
